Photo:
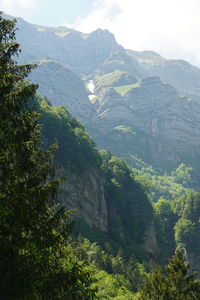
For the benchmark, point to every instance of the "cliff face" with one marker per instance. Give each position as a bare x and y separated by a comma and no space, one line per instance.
85,194
153,122
150,242
99,186
173,121
178,73
62,87
82,53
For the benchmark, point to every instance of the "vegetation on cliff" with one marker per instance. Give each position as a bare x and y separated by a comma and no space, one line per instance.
39,259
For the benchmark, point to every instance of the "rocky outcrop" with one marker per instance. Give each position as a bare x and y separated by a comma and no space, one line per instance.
171,119
82,53
119,61
150,242
178,73
62,87
166,126
183,76
85,194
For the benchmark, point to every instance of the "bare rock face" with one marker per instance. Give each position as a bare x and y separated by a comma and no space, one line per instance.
171,119
150,242
62,87
85,194
82,53
178,73
153,117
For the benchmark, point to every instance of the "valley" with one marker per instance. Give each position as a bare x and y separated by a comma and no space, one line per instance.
125,126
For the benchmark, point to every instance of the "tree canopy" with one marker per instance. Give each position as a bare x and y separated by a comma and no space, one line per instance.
36,261
173,283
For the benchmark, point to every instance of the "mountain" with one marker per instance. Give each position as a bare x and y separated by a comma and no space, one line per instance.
179,73
138,117
141,104
62,87
154,123
110,204
73,49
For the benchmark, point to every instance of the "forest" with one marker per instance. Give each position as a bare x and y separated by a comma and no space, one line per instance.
46,251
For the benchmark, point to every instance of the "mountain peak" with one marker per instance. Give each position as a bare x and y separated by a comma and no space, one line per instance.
102,34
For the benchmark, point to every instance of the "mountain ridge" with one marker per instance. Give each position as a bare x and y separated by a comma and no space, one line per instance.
111,110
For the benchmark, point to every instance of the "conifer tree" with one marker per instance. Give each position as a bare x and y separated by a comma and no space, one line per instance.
36,261
174,283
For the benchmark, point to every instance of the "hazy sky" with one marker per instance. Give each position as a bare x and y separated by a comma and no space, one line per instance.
169,27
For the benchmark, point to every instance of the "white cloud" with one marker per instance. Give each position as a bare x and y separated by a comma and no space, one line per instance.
13,7
170,27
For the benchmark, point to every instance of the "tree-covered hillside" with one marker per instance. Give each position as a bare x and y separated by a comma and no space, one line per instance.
128,209
35,252
128,212
133,219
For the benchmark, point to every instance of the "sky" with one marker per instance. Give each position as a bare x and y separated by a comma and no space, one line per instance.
169,27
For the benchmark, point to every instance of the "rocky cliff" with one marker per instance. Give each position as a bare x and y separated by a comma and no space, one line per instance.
153,117
62,87
178,73
85,193
150,121
82,53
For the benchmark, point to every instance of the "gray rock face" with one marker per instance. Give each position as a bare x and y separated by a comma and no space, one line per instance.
184,77
62,87
85,194
82,53
167,125
159,111
113,111
150,242
179,73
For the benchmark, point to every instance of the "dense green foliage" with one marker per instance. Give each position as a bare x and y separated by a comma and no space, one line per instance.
35,258
116,276
78,154
129,210
187,228
174,284
159,184
76,151
165,220
176,209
